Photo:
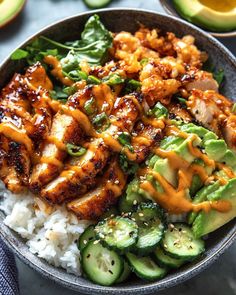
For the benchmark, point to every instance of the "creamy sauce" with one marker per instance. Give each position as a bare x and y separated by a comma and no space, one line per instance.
57,70
18,135
58,143
51,161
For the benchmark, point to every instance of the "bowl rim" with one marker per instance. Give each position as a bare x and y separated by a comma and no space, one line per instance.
171,11
152,286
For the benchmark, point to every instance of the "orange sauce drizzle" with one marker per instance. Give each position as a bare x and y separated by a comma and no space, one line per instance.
18,135
59,144
57,70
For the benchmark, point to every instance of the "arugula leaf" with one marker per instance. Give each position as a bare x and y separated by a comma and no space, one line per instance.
19,54
93,46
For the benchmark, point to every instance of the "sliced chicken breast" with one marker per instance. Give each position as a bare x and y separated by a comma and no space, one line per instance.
96,202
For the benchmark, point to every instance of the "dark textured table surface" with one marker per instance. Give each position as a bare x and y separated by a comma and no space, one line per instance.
220,278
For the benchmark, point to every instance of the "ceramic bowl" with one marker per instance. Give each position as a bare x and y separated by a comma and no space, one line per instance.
170,9
129,20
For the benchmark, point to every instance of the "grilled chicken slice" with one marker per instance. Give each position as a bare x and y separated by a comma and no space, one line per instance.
202,81
176,110
144,137
213,111
79,174
96,202
65,129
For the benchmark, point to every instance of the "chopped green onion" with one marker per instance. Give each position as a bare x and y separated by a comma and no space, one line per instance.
113,79
182,101
219,76
75,150
159,111
70,90
125,139
133,85
93,80
144,61
76,75
90,107
234,108
100,119
127,166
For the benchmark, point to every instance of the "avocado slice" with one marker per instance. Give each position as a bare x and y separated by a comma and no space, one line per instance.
219,16
215,149
9,10
205,223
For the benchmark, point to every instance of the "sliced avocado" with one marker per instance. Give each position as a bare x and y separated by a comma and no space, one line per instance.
202,132
213,15
201,196
229,158
9,9
183,149
163,167
206,223
215,149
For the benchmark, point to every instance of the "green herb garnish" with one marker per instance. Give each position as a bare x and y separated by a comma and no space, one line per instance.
128,167
113,79
125,139
93,80
75,150
90,106
159,111
101,120
219,76
132,85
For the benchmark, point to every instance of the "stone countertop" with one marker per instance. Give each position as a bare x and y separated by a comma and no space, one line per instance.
220,278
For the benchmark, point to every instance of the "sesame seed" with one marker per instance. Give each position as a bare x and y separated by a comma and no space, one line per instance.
116,181
135,202
96,242
141,214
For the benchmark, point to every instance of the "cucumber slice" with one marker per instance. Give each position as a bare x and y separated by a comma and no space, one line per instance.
165,260
126,272
93,4
110,213
87,236
179,242
101,265
128,203
118,233
150,220
145,267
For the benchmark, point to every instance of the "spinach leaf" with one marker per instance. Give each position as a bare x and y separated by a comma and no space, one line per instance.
93,46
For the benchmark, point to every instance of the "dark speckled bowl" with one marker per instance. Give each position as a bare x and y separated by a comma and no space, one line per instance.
129,20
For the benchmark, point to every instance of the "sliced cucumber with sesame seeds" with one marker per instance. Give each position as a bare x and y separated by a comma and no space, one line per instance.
151,223
145,267
101,265
179,242
87,236
165,260
125,274
118,233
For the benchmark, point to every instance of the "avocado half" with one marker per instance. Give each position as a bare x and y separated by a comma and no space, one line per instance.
9,9
206,15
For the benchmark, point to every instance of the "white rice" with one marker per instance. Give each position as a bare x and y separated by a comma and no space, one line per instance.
50,235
